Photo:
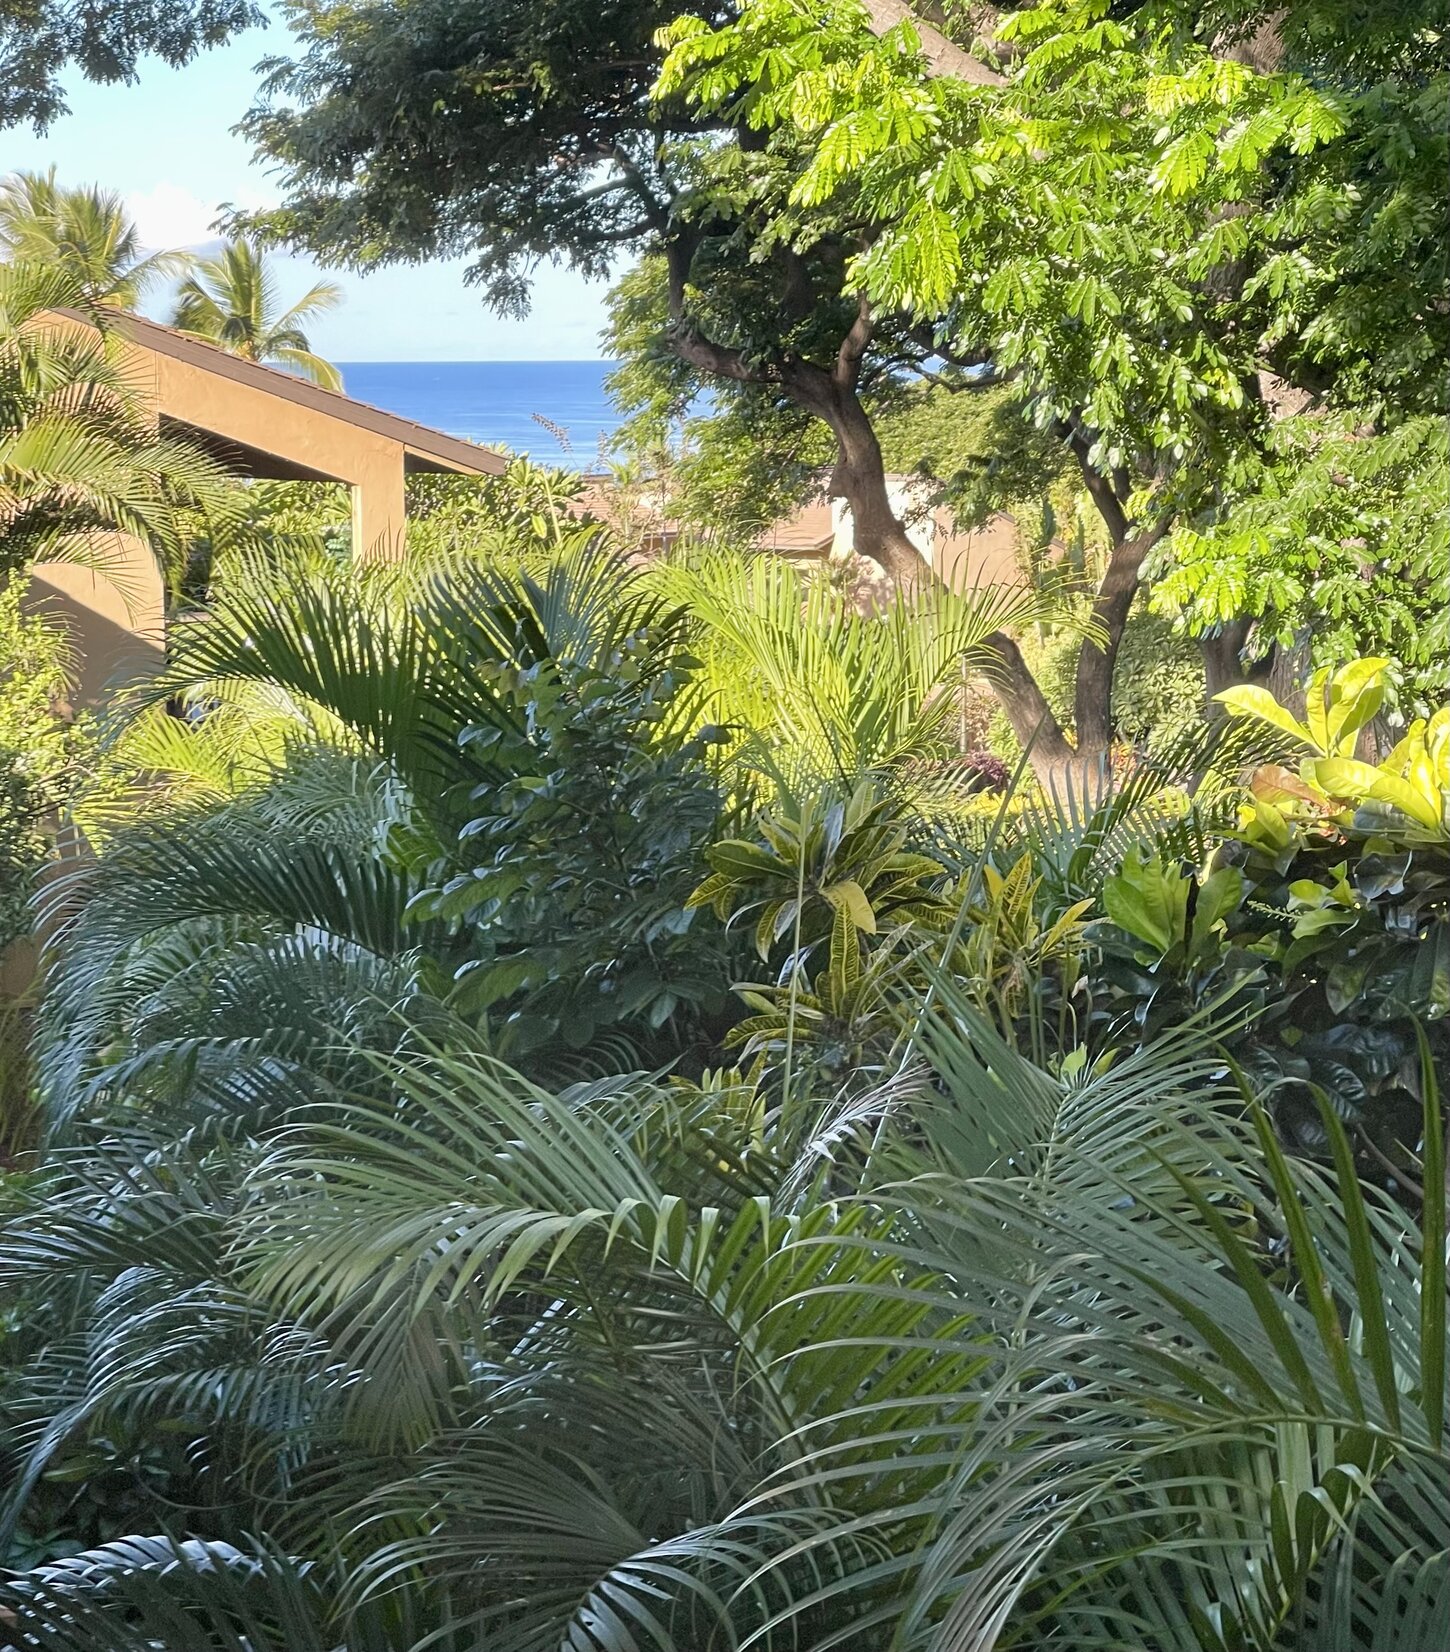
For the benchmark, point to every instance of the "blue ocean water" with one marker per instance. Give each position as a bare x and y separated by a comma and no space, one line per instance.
495,402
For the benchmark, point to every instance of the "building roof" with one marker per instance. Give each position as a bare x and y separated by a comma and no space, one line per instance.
434,447
810,529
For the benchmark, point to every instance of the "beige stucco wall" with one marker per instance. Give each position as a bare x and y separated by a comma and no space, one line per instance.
115,618
974,559
979,558
370,464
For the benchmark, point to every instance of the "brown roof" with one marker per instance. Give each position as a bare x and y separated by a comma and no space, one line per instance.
452,452
810,528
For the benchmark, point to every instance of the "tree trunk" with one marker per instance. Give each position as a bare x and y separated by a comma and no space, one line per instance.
859,478
1224,665
1288,678
1092,709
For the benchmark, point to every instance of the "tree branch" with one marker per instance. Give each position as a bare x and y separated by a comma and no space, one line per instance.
709,357
943,56
656,210
854,345
1102,492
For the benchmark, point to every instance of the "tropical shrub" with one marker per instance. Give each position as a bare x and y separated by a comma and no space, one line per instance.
372,1295
528,511
573,877
42,750
1077,1357
1324,919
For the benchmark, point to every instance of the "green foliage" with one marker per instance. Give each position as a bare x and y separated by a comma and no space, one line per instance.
983,452
831,858
1038,222
41,751
430,127
39,41
1325,919
1079,205
1158,688
494,1358
1343,538
834,890
1163,243
528,511
819,691
573,877
486,796
727,469
353,1305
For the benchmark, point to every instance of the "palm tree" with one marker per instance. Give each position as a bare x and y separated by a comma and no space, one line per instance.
87,233
231,300
1024,1360
970,1350
80,460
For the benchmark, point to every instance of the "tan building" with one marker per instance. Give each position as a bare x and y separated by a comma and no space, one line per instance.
259,422
963,558
821,530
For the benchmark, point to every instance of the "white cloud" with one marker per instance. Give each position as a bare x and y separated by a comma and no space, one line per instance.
169,216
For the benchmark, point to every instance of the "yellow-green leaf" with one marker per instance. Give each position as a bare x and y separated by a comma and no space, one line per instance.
852,896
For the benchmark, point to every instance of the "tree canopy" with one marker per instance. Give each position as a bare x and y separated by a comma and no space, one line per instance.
40,39
1166,238
1167,225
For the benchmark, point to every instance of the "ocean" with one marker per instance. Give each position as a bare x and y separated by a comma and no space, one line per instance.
496,402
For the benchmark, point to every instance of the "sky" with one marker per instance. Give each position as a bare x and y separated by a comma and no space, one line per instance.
166,145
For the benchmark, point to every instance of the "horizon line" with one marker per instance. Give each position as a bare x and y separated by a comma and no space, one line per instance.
473,361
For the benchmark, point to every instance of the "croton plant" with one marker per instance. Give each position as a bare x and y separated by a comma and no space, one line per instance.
1319,931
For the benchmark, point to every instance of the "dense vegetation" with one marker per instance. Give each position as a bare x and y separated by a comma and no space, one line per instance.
1203,246
599,1100
431,1243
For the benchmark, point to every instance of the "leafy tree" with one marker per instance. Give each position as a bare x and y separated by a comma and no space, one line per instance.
420,128
39,39
231,300
1157,239
84,231
745,459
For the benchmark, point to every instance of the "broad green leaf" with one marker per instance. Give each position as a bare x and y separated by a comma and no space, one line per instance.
1149,901
1218,895
1246,700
